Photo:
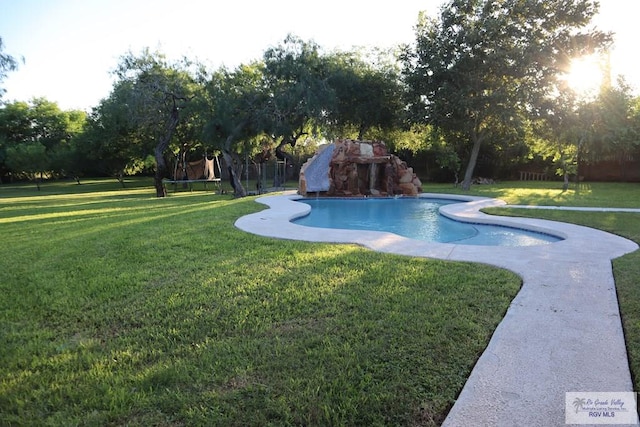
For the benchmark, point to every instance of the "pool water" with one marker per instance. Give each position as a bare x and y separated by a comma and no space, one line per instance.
415,218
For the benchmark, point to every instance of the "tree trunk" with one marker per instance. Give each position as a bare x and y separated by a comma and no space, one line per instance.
362,129
234,179
161,165
578,160
468,175
120,178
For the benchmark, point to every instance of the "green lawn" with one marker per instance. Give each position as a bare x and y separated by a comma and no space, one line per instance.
549,193
119,308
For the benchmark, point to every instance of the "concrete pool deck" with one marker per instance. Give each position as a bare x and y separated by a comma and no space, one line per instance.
562,332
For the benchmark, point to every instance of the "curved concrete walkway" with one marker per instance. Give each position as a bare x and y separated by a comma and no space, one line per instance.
561,333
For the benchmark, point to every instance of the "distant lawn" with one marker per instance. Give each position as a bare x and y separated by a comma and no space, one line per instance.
119,308
597,194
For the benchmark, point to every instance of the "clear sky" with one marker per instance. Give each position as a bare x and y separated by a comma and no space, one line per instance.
70,46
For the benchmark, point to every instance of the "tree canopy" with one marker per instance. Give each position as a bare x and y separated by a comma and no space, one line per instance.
298,94
487,65
37,134
159,92
480,89
7,63
235,100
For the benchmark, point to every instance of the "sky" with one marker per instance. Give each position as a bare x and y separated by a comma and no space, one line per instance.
70,47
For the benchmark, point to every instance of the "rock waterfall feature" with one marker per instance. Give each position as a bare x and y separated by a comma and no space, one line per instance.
349,168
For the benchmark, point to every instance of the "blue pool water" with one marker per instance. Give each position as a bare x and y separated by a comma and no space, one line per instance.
415,218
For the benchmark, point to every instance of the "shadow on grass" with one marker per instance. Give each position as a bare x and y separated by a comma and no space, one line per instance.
161,312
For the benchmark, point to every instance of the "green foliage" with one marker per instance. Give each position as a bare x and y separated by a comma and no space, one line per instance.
484,66
615,126
295,77
157,102
28,160
577,130
111,141
7,64
233,102
296,93
482,84
368,94
34,124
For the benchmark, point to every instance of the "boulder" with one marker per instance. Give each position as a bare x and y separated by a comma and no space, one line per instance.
358,168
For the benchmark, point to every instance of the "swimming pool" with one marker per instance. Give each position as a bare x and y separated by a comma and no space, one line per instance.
415,218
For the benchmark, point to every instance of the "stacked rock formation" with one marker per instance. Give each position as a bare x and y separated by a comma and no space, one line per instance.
357,168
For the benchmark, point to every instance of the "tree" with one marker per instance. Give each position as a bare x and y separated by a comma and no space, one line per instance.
619,125
38,121
160,92
368,92
561,134
112,142
234,102
15,127
577,131
298,94
486,64
66,157
7,63
28,159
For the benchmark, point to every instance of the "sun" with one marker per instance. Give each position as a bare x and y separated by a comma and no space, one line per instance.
586,74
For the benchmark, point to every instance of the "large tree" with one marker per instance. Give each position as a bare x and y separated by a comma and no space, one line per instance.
233,102
161,91
15,126
561,133
40,123
619,128
486,64
368,92
112,142
298,94
28,160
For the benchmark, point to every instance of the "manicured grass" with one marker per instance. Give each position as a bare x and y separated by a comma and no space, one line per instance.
550,193
122,309
119,308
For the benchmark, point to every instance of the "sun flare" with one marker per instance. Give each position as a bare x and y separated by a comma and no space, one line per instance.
586,74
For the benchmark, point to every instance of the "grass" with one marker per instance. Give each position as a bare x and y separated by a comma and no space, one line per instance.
120,308
550,193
